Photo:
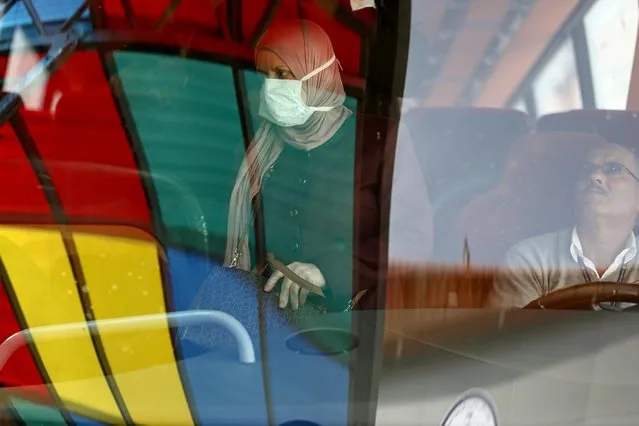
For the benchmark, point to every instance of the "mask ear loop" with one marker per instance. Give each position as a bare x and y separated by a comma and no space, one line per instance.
314,73
320,69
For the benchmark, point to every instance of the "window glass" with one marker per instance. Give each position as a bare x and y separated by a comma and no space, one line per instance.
155,142
611,31
556,88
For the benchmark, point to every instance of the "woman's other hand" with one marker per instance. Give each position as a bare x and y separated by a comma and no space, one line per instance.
291,291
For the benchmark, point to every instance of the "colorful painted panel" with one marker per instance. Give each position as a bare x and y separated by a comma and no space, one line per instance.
79,136
21,200
124,279
224,391
31,413
20,369
121,277
193,18
49,11
85,148
186,115
45,292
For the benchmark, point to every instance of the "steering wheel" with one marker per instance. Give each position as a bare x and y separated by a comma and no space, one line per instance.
587,296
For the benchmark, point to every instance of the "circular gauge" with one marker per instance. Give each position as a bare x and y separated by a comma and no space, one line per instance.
472,408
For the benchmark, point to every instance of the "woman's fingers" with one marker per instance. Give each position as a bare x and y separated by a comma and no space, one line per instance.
303,296
284,292
273,279
295,296
291,291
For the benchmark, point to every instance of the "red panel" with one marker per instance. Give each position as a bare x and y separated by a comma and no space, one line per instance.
210,18
346,43
21,198
80,137
20,370
202,14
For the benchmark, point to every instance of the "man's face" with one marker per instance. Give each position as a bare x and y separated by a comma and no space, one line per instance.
606,186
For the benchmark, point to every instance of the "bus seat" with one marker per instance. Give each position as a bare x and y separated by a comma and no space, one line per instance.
616,126
462,152
533,197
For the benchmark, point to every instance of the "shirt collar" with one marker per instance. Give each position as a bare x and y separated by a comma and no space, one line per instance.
627,254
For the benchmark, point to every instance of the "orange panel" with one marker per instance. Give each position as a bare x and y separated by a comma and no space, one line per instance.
466,52
488,10
444,94
542,23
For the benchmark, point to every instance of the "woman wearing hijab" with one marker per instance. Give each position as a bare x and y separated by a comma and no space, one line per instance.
301,162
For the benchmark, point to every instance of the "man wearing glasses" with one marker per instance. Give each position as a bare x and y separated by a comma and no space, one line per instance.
601,245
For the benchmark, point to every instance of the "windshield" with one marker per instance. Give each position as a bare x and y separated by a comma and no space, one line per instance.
525,119
274,212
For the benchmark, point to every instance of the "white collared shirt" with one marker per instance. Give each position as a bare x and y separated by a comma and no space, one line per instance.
625,256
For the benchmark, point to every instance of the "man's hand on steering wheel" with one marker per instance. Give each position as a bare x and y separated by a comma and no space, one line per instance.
587,296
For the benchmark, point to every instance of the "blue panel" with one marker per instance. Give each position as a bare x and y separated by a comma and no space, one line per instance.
306,387
82,421
188,272
49,11
225,391
212,373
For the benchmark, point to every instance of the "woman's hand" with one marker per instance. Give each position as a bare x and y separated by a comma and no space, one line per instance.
290,290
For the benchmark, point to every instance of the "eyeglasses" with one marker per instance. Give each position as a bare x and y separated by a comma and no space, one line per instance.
612,168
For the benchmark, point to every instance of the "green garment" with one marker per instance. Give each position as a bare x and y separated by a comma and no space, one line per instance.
308,208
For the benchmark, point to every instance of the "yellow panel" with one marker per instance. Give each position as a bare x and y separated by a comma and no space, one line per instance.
41,278
124,280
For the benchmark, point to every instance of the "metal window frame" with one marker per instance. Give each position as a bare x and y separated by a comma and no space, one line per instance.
570,28
506,30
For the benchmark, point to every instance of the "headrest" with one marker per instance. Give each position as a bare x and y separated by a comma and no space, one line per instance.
474,122
616,126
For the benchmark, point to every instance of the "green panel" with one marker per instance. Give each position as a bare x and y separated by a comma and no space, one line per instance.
186,114
187,117
35,414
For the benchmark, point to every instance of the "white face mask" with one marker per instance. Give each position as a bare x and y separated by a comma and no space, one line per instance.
281,100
